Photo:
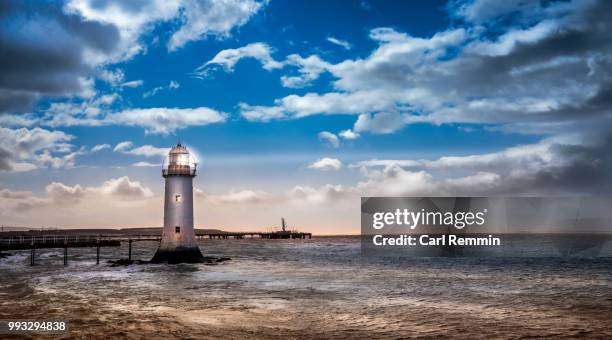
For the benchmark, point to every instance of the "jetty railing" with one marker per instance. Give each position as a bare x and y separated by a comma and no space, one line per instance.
75,239
72,239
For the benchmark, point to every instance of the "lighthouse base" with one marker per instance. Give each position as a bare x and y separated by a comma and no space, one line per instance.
178,255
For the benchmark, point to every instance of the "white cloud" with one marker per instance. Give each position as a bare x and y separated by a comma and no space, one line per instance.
148,151
89,112
348,134
100,147
62,193
548,167
506,42
382,122
260,113
531,157
106,99
396,181
506,173
473,75
25,149
18,120
294,106
25,142
133,20
128,148
323,194
145,165
113,77
227,59
309,69
343,43
241,197
298,194
67,201
132,84
329,138
122,146
156,120
326,164
171,86
56,162
116,202
122,188
58,110
18,202
125,188
202,18
166,120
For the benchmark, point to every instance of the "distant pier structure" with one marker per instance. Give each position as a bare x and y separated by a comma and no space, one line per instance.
285,232
178,243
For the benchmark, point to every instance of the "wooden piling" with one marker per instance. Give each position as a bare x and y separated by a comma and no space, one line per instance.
98,253
32,255
130,250
65,255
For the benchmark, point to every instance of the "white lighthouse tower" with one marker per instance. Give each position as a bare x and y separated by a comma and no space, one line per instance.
178,243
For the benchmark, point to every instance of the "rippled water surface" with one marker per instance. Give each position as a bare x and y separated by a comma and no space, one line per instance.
319,288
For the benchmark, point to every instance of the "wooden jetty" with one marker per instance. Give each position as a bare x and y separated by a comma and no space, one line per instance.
255,234
81,238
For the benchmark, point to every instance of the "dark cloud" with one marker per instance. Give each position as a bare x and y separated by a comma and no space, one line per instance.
15,100
580,32
41,51
589,169
5,163
583,170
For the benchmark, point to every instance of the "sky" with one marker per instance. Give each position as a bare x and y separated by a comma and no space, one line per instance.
296,109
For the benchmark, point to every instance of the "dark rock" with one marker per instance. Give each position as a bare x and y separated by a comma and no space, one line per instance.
125,262
214,260
207,260
184,255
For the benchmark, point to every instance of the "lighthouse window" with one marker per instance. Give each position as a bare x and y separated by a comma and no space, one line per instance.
177,229
177,198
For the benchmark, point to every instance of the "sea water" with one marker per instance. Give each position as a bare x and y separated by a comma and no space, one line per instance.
318,288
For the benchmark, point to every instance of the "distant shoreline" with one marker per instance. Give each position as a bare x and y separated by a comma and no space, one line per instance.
144,230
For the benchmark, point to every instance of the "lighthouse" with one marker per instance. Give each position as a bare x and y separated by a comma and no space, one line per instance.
178,243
